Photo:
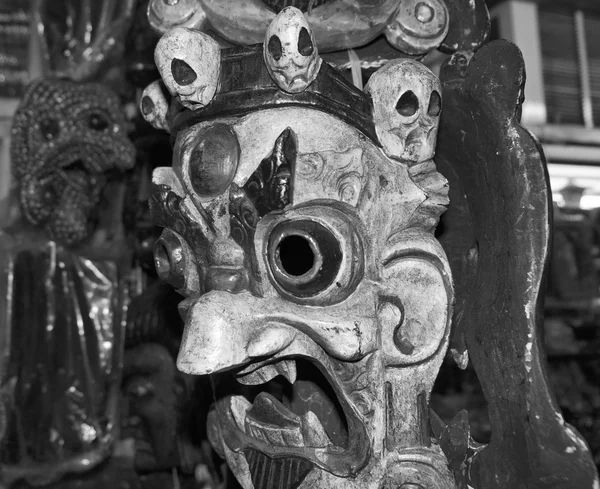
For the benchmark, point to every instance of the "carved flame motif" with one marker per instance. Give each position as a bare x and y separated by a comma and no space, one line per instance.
316,295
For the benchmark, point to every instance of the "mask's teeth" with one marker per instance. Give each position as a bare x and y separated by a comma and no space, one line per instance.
313,431
259,376
287,368
239,406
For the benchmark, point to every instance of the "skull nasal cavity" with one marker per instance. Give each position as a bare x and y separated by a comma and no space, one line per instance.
275,48
183,74
305,45
408,104
435,104
296,255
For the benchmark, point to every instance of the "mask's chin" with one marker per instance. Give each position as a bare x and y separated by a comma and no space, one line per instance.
285,418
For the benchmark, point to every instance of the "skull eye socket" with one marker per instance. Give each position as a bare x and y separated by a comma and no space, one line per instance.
435,104
183,74
304,257
275,48
213,161
147,105
305,44
408,104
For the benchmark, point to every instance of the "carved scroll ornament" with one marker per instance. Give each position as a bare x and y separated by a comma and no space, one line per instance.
412,26
299,216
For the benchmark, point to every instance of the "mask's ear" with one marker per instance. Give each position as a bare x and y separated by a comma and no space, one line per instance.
496,234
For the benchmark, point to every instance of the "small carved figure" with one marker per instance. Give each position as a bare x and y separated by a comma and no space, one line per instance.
189,61
291,52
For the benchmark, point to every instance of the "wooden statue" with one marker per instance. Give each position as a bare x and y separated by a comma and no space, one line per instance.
299,218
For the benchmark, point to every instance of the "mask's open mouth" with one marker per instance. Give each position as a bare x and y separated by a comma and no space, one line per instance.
288,416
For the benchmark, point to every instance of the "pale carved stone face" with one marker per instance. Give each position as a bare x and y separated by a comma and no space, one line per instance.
306,301
407,105
290,51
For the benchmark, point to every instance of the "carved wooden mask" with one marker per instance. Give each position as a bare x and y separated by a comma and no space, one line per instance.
67,137
317,297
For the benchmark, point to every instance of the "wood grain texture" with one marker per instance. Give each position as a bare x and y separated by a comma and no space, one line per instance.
469,26
497,236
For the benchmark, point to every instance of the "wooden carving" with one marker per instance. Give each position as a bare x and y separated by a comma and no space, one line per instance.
497,235
299,215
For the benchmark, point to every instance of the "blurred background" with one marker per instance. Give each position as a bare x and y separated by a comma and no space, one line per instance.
560,42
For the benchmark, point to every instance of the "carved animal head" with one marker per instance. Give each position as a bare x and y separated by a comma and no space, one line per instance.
188,61
290,51
407,103
66,137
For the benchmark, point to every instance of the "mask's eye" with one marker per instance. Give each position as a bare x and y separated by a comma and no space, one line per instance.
213,160
98,121
304,257
49,128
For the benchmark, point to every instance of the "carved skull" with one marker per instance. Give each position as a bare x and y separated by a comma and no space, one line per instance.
290,51
407,104
154,105
189,65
